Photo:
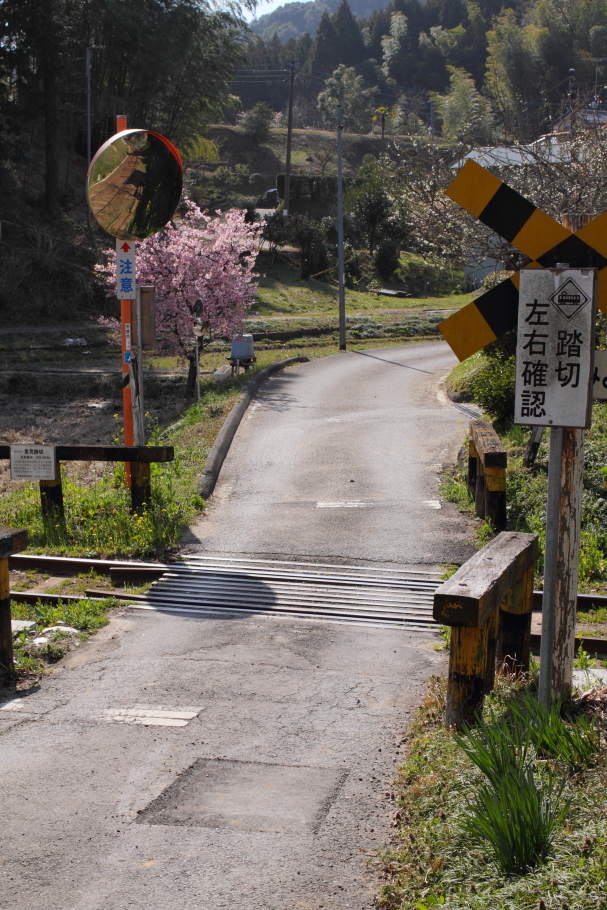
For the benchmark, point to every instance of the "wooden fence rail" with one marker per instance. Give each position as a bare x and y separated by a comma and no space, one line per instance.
139,457
487,462
488,604
12,540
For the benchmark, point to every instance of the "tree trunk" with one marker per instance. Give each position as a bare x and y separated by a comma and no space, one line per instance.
49,63
190,385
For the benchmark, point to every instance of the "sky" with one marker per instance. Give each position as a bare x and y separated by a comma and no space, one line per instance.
265,6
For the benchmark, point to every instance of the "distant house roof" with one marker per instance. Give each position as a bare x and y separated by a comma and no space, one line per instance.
553,147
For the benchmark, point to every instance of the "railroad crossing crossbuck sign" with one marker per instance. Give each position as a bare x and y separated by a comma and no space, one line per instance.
531,231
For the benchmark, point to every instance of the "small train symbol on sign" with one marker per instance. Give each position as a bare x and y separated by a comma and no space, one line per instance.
569,298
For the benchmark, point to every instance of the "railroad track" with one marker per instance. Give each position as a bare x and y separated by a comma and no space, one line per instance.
354,594
216,585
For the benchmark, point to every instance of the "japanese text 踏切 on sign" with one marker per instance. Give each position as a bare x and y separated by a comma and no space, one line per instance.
555,342
126,288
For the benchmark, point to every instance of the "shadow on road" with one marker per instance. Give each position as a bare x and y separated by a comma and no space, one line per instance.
396,364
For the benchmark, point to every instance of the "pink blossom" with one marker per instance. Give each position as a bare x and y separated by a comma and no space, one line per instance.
205,258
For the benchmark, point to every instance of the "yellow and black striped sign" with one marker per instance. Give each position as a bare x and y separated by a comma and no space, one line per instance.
531,231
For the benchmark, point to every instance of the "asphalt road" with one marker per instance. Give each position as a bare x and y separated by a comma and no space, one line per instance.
275,790
340,458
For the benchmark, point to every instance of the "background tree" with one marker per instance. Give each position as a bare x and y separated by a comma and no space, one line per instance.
357,102
464,113
256,123
207,259
370,206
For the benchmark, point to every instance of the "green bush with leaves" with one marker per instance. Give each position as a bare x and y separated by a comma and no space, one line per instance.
256,122
493,389
387,259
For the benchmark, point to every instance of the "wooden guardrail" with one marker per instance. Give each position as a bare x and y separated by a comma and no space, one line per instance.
487,463
488,604
12,540
139,457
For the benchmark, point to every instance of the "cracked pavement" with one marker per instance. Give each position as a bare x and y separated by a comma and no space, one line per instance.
275,792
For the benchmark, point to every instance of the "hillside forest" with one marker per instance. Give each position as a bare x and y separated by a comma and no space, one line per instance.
420,84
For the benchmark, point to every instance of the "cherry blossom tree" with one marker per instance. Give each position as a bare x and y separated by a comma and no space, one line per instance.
207,259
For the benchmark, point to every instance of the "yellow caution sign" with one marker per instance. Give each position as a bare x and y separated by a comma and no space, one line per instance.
536,235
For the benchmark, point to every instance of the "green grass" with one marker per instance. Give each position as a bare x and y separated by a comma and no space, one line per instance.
433,860
282,292
85,615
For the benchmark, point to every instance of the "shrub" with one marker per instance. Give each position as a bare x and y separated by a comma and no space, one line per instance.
256,122
493,388
310,238
387,259
517,819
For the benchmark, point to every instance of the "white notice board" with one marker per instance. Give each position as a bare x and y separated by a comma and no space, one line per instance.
33,462
554,348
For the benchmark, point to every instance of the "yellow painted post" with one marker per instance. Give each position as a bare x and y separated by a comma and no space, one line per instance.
514,642
467,669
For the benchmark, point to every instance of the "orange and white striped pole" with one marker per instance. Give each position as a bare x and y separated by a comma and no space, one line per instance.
125,319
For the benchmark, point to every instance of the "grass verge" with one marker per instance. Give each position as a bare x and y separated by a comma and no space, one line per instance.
85,616
526,492
434,861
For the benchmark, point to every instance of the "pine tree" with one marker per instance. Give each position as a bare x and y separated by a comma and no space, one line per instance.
347,30
326,53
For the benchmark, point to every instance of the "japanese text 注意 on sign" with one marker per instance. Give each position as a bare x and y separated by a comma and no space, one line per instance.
554,350
126,288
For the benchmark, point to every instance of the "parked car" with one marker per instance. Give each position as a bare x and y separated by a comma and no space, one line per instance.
268,200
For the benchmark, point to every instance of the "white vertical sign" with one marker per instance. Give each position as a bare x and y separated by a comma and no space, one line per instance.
554,349
125,270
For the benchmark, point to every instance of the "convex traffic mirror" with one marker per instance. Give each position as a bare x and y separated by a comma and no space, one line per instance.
134,184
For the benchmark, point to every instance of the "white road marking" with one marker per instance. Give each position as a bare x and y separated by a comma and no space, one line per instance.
352,504
432,503
152,715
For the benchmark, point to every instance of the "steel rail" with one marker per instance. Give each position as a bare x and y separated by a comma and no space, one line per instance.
310,565
213,611
402,618
175,583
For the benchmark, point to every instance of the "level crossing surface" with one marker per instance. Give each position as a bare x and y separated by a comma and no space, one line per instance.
188,761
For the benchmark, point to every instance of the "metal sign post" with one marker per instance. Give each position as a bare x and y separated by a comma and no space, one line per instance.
554,373
340,238
126,291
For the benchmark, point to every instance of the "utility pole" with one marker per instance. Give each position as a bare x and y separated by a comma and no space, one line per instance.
87,57
285,209
340,238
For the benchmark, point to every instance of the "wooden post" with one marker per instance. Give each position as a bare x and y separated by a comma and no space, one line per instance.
141,487
514,641
570,513
495,496
467,669
479,496
11,541
493,627
51,501
472,462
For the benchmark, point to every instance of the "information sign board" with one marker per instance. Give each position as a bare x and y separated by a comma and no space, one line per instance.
555,346
33,462
126,289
